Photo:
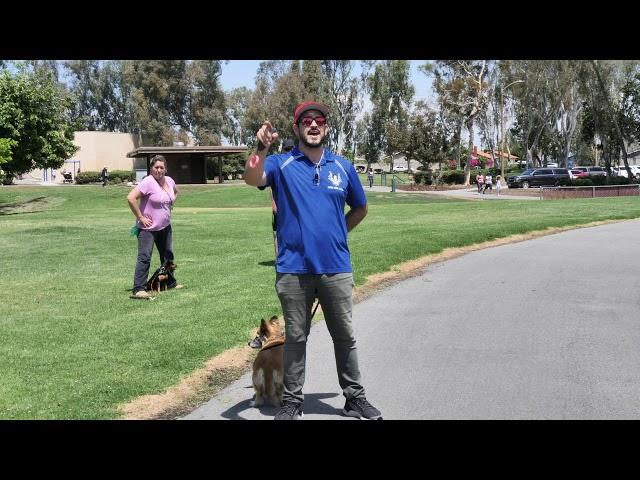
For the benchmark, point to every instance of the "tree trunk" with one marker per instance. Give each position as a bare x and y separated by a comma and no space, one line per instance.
458,140
467,165
615,120
501,152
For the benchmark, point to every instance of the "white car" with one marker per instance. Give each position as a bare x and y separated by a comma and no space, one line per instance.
622,171
399,168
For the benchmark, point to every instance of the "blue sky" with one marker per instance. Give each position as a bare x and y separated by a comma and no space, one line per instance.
242,73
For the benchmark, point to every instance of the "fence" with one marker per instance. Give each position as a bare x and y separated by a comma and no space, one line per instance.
554,193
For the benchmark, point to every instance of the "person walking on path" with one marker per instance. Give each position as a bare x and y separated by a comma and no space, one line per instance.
370,177
498,184
488,183
311,185
480,182
104,176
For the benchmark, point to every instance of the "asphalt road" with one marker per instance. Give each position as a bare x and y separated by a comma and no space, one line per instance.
543,329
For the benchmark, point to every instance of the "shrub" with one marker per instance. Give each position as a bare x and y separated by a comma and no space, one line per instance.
582,182
450,176
87,177
618,180
425,177
119,176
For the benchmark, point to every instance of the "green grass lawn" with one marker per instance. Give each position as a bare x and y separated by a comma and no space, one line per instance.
74,346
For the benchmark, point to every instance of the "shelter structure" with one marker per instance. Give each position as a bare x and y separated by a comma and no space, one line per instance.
185,164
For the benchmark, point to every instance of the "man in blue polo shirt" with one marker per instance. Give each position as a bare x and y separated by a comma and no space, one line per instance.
310,186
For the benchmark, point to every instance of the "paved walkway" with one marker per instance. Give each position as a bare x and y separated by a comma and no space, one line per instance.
555,337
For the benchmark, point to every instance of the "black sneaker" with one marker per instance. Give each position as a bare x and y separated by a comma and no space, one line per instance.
290,411
361,408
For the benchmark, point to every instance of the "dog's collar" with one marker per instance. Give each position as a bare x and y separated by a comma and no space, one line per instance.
274,342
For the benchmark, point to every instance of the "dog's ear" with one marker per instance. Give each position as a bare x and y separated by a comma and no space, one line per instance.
263,323
273,319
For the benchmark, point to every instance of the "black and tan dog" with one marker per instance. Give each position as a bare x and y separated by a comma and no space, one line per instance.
160,278
268,367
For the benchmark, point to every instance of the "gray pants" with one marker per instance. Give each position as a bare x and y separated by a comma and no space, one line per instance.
297,294
146,239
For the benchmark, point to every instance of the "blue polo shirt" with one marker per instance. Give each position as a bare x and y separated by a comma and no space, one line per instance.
311,225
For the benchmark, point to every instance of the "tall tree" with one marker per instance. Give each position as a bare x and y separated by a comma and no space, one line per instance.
571,102
391,95
281,85
237,104
630,105
461,86
342,100
427,137
274,99
537,102
176,99
204,107
610,77
101,96
34,117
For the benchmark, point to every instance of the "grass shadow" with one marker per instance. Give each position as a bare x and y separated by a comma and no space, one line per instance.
29,206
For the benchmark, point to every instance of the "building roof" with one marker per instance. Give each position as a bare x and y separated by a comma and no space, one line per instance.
207,150
487,154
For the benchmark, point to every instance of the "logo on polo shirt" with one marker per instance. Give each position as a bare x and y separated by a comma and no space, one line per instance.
335,179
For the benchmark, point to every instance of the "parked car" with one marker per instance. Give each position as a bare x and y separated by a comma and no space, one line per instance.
622,171
540,177
575,173
592,171
399,168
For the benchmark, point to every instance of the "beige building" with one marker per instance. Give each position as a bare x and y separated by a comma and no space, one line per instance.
123,151
97,149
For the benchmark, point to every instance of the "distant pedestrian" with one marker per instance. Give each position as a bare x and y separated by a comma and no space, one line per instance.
488,183
480,182
498,184
104,176
370,177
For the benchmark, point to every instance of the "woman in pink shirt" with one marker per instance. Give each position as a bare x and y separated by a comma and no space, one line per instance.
157,193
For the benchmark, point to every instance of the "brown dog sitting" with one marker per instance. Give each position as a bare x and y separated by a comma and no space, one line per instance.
160,278
268,367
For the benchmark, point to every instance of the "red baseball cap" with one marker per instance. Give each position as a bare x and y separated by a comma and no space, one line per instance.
306,106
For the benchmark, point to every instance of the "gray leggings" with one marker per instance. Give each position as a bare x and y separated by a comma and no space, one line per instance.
146,239
297,294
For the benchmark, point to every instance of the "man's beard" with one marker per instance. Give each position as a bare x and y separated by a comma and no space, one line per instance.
303,139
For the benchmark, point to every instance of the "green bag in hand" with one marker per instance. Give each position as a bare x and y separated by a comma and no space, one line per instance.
135,231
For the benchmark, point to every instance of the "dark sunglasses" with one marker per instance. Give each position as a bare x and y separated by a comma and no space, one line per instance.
307,121
316,175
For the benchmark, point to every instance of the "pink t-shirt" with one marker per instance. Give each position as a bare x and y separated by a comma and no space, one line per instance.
156,202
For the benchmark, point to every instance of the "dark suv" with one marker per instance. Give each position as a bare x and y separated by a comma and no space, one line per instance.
540,177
